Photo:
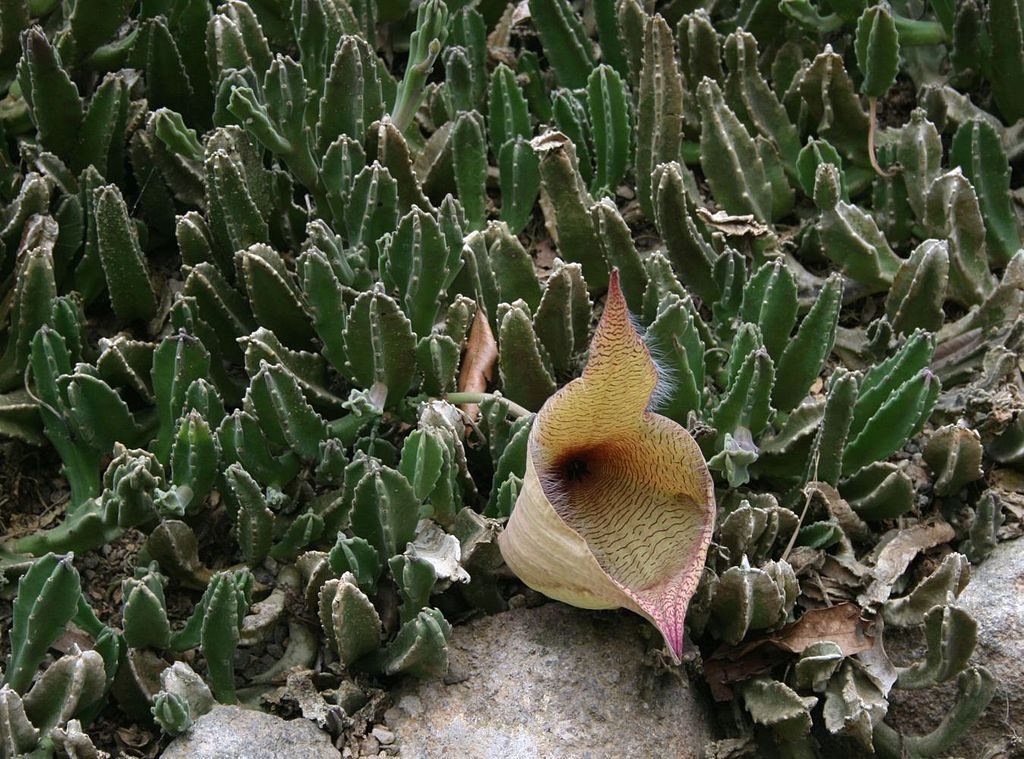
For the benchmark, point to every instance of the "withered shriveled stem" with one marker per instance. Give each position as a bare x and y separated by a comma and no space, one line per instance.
514,409
872,122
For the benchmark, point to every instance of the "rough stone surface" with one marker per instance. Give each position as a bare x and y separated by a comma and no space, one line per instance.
231,732
995,598
552,681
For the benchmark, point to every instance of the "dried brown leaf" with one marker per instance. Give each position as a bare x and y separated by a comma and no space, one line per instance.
896,555
521,12
853,526
840,624
71,638
544,255
1008,487
875,662
478,362
499,41
735,664
733,225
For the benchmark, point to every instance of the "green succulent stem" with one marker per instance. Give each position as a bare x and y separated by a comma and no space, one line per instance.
113,56
82,530
86,618
911,31
919,31
307,172
409,94
514,409
425,45
347,428
81,464
82,471
690,153
41,8
806,15
975,688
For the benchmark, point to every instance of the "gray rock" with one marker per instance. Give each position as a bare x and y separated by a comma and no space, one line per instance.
995,598
231,732
552,681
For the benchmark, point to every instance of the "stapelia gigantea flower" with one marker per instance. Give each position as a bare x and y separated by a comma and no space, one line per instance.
617,506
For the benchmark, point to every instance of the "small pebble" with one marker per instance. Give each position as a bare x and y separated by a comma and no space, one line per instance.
384,736
369,747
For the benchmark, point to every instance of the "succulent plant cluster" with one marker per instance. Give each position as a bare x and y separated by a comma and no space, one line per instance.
253,255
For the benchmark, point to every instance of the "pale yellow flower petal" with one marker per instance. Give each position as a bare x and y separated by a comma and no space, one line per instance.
617,506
